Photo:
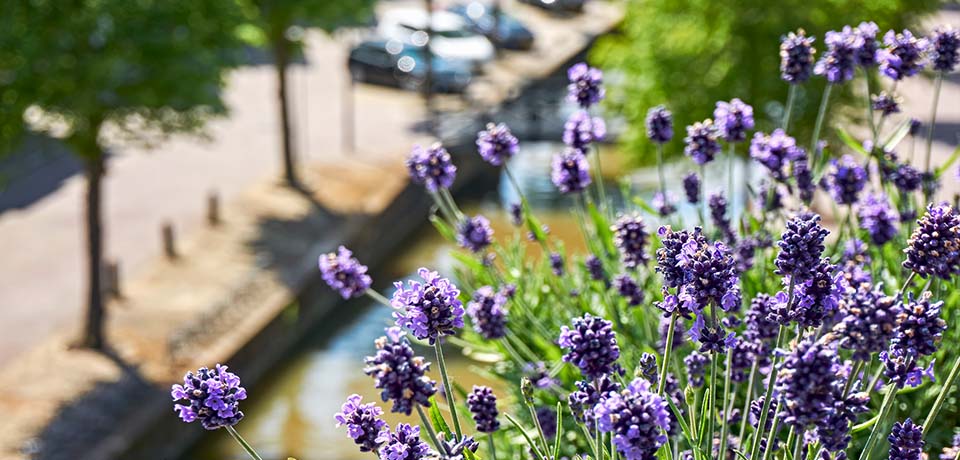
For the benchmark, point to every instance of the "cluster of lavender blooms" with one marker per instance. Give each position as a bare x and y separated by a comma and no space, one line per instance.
766,345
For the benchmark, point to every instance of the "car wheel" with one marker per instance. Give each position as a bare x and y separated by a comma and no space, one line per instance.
358,74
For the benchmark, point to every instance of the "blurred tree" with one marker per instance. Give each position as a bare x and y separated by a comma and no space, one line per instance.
80,69
688,54
280,25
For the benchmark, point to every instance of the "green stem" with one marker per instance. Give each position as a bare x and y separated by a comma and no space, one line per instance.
243,443
378,297
791,100
702,209
493,449
874,433
666,353
873,127
445,194
774,429
726,406
533,446
944,392
712,410
536,423
449,389
771,382
821,115
747,398
427,426
601,193
663,180
730,159
906,284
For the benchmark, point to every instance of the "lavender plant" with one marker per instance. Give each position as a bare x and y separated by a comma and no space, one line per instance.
688,342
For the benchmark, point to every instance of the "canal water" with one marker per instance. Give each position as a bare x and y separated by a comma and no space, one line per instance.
291,413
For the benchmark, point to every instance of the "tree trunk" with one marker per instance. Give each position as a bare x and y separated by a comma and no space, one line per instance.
281,58
93,336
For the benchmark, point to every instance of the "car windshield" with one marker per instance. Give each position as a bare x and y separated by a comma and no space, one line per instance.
453,33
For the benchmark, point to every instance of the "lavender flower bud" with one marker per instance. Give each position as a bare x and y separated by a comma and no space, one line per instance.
919,326
847,180
431,167
885,103
591,345
903,55
581,130
487,313
659,125
344,274
800,246
586,85
398,373
648,367
906,441
691,187
866,53
701,143
900,368
934,246
429,310
796,57
570,171
718,214
943,50
630,238
838,63
878,218
474,233
775,151
556,264
211,396
734,119
805,384
869,321
817,299
664,203
363,423
628,288
497,144
483,406
594,268
637,418
588,395
696,365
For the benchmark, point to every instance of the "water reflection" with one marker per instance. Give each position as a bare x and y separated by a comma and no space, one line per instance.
291,414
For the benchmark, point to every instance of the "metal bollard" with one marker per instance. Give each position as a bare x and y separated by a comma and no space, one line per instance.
169,243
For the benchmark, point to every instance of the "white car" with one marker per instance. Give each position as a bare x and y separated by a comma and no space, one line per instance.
452,37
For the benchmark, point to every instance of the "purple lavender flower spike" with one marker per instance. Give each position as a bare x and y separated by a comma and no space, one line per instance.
900,368
701,143
885,103
733,120
659,124
838,63
432,167
817,298
483,406
834,431
637,418
866,53
919,326
878,218
570,171
906,441
950,452
581,130
556,264
713,277
804,177
344,274
869,321
718,215
630,237
903,55
696,365
497,144
588,395
591,346
429,310
671,255
586,85
847,180
628,288
664,203
648,367
547,417
363,423
474,233
801,245
211,396
775,151
934,246
806,382
594,268
759,325
487,313
906,178
453,449
796,57
398,373
691,187
944,43
403,443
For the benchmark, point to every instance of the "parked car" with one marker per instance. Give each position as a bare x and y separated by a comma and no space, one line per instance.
392,63
509,34
452,37
569,6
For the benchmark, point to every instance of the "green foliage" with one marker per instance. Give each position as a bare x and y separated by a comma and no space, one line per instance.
689,54
143,66
276,18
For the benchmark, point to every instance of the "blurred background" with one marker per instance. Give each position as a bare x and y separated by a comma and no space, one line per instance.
172,169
